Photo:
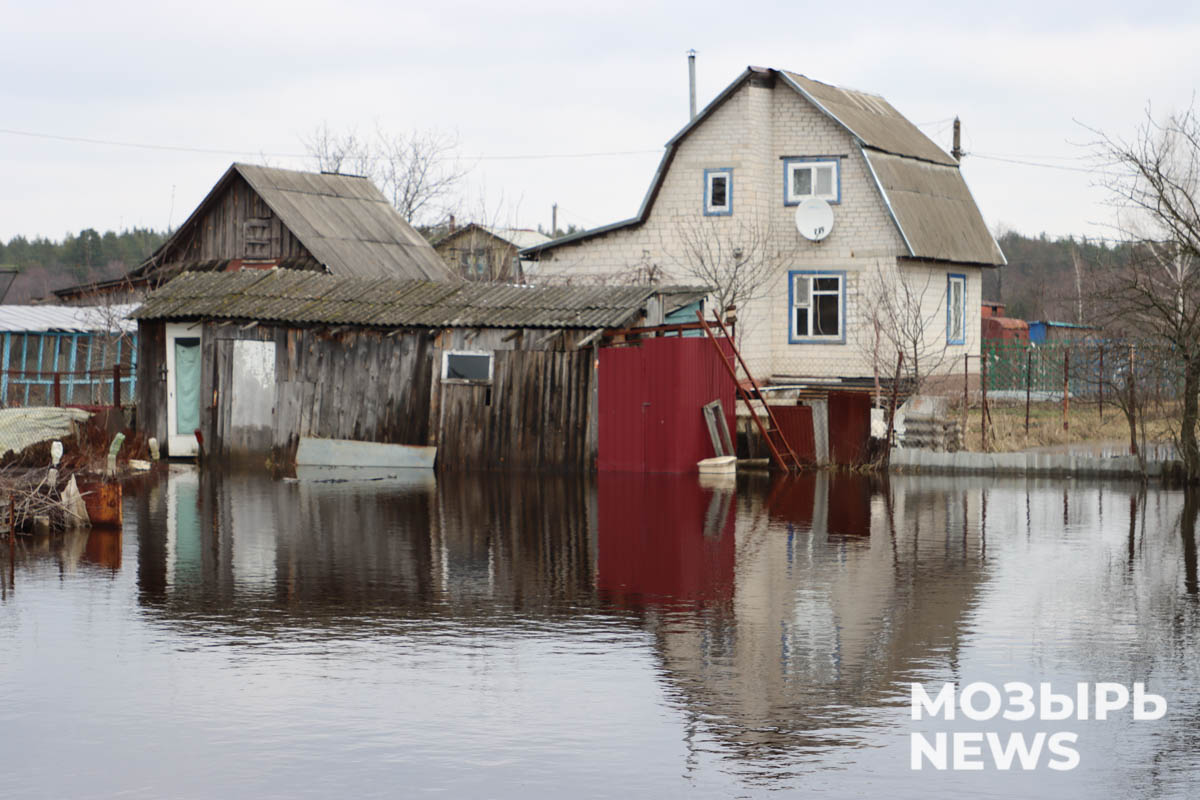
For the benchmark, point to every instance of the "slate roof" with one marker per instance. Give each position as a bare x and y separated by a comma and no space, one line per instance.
69,319
311,298
920,183
343,220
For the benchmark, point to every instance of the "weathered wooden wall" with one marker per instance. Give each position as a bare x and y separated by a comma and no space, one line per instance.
369,385
358,384
221,232
151,391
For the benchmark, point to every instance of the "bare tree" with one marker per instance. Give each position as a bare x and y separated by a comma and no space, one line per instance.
902,312
1154,182
418,171
738,260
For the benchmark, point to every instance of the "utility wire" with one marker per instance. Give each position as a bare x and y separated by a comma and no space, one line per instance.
1033,163
215,151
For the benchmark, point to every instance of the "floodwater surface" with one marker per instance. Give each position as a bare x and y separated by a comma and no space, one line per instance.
609,636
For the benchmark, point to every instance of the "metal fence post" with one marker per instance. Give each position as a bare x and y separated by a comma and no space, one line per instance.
1028,380
983,414
1066,401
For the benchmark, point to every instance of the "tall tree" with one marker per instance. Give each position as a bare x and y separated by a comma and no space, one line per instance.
1154,182
419,171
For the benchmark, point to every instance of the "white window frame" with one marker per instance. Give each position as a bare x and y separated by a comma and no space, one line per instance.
802,293
790,165
952,280
710,175
491,357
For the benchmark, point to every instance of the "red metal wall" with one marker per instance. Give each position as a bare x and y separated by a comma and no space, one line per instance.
849,427
651,396
796,425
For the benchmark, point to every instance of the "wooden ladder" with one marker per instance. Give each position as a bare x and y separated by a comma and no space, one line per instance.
782,454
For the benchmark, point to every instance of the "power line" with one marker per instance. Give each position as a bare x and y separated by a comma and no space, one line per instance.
222,152
1033,163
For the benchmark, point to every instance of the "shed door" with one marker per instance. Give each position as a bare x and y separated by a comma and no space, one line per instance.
183,389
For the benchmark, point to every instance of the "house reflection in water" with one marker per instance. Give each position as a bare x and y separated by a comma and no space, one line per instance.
774,608
344,552
831,592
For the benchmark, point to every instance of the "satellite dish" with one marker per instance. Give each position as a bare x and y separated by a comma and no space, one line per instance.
814,219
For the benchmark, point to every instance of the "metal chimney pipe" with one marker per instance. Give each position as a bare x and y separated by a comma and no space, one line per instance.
691,54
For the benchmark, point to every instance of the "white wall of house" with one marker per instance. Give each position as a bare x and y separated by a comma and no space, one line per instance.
751,133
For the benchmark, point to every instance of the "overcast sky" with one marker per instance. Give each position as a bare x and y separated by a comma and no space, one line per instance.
545,79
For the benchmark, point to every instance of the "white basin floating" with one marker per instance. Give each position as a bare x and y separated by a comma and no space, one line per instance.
721,465
350,453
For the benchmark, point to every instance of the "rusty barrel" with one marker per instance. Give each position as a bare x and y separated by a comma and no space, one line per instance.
103,501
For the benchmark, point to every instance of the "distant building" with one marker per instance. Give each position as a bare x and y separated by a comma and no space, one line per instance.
484,253
70,356
262,217
1005,329
736,175
1049,331
992,308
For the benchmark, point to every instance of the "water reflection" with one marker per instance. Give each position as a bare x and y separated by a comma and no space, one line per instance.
623,631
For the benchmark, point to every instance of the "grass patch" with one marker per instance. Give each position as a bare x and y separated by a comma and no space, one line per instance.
1007,431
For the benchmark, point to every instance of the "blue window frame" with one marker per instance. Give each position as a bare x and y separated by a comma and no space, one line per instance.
718,192
812,176
956,308
816,307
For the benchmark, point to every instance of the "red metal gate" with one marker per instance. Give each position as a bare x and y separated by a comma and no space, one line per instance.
651,395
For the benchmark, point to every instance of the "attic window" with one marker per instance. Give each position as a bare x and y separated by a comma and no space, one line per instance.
467,366
718,192
804,178
257,236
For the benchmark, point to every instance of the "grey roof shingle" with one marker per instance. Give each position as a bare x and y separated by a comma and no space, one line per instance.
343,220
312,298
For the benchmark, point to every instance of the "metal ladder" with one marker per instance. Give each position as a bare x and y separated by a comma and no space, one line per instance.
782,454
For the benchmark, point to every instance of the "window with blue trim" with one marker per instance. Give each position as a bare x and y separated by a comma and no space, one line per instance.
805,178
817,301
956,309
718,192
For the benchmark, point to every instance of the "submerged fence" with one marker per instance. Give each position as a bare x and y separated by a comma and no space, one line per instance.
67,369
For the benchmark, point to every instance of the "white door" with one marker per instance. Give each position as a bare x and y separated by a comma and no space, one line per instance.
183,388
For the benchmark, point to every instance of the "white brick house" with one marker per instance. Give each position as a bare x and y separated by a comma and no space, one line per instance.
768,142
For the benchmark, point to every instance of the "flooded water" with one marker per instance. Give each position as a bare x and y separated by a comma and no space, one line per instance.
617,636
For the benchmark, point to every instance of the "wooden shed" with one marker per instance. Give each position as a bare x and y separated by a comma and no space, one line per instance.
262,217
492,375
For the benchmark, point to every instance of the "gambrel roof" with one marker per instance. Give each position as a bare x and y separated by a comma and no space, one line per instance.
920,183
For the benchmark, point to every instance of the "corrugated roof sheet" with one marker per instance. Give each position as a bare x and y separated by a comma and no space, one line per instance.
347,223
305,297
69,319
343,220
934,209
872,119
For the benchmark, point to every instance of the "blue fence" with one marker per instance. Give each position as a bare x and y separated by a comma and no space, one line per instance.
67,368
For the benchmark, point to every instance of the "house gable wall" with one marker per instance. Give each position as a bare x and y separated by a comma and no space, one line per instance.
222,232
752,133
